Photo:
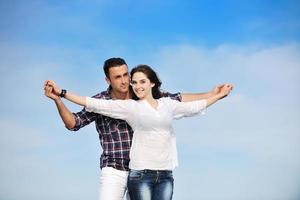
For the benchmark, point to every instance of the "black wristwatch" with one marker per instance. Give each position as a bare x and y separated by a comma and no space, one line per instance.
63,93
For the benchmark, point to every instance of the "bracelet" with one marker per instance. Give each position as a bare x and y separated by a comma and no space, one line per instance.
63,93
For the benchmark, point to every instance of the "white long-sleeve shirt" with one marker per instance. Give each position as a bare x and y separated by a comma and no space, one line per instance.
154,142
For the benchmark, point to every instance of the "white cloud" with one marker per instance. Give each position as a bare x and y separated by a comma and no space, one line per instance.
38,163
261,68
39,160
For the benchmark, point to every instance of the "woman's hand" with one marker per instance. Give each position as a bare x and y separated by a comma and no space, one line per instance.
219,92
225,90
51,90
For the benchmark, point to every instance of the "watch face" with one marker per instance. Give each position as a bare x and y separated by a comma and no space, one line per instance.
63,93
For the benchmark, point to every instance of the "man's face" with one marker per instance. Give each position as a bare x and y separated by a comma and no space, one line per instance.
119,78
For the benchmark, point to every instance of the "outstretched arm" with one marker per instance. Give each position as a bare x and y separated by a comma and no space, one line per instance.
186,97
80,100
185,109
120,109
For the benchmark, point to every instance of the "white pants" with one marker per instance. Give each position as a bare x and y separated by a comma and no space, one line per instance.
113,184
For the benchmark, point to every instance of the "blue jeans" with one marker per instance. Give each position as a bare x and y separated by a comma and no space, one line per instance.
150,184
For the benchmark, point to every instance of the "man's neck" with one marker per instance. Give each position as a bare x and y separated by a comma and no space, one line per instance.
120,95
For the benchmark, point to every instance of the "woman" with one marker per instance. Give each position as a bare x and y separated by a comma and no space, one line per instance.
153,153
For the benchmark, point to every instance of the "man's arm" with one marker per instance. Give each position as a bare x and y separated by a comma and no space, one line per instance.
65,114
186,97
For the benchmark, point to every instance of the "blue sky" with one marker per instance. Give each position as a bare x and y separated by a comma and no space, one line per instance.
246,147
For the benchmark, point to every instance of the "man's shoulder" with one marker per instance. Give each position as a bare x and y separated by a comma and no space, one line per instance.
175,96
102,95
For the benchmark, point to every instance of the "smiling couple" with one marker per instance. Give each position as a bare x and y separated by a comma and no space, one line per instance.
133,118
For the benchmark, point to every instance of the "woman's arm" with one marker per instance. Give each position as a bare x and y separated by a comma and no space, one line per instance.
80,100
185,109
119,109
186,97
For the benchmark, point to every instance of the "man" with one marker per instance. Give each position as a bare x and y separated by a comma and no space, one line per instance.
115,135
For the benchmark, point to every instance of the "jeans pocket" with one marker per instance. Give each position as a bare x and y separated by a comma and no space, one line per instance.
135,175
168,176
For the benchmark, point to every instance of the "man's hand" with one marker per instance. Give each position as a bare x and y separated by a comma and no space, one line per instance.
51,90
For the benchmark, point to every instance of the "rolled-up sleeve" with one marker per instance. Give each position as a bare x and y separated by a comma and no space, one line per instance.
82,119
174,96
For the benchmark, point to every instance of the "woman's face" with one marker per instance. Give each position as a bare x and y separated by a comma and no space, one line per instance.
141,85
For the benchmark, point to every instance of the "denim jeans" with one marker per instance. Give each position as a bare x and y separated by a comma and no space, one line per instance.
150,184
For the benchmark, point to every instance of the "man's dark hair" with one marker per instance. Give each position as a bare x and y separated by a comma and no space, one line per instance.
112,62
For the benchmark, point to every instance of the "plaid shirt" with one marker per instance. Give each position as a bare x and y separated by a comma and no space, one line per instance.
115,135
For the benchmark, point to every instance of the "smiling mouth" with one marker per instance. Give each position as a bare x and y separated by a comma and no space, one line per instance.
139,90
